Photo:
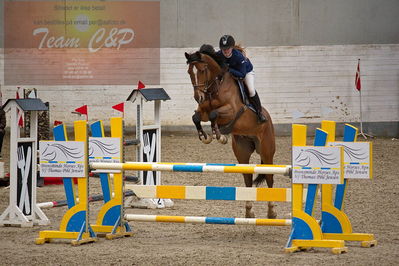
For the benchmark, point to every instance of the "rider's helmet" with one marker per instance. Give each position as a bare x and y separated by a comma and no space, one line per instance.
226,41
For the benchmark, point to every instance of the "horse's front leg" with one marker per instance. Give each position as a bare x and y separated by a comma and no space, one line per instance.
202,135
215,128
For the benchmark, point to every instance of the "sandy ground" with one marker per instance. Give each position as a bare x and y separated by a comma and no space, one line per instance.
371,205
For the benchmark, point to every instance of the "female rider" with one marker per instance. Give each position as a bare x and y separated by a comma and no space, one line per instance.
240,67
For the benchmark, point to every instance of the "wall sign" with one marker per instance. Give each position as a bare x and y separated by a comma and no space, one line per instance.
62,159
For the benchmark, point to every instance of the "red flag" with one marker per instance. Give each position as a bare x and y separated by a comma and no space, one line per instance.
19,113
82,110
357,80
57,122
140,85
119,107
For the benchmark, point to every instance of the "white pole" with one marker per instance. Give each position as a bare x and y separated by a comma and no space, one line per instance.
361,112
361,117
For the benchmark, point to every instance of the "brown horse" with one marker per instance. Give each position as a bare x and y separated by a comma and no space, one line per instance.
219,102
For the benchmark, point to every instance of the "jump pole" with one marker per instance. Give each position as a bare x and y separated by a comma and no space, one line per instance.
196,167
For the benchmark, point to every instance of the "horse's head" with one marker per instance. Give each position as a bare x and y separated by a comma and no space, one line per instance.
203,71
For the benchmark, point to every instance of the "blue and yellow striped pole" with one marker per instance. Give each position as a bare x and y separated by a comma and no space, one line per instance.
207,220
195,167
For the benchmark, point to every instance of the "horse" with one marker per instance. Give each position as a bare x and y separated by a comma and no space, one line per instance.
219,101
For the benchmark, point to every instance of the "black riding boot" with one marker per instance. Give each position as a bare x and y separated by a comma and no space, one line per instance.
258,107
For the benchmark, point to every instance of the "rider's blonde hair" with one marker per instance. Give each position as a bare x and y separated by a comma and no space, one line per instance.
240,48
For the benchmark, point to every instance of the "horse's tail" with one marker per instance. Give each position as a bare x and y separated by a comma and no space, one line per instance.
260,179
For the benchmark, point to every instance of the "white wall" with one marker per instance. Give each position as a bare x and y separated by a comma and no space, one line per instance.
186,23
317,81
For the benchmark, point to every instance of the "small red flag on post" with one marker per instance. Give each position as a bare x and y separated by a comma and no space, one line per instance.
19,114
119,107
57,122
83,110
140,85
357,80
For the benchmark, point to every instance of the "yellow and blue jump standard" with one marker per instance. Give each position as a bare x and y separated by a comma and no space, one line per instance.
110,220
75,223
335,224
305,230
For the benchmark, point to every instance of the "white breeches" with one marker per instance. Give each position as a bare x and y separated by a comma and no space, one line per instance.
250,82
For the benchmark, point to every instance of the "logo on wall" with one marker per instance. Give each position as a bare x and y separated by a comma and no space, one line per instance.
80,42
150,150
24,176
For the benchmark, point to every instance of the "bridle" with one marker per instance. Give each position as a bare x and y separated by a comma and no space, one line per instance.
208,87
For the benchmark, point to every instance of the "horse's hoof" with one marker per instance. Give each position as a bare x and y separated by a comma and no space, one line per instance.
250,214
271,214
223,139
206,139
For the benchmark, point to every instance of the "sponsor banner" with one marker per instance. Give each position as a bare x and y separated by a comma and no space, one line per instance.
357,159
317,165
81,42
104,150
62,159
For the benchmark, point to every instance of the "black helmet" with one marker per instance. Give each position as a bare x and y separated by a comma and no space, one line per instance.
226,41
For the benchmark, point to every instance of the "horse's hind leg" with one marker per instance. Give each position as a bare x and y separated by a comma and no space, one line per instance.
243,148
271,212
267,153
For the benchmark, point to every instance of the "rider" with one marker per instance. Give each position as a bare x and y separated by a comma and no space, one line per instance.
240,67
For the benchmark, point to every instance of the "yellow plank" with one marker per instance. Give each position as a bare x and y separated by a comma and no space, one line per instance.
61,235
329,127
272,222
173,192
271,194
142,167
349,237
170,219
319,243
102,228
239,169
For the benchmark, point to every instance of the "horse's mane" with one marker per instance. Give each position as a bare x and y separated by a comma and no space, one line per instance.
210,51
